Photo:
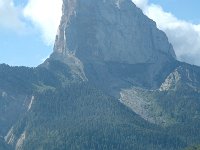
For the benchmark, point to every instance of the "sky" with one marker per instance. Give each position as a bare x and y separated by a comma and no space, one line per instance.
28,28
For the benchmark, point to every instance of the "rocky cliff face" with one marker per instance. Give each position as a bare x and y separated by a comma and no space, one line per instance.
115,46
110,31
112,44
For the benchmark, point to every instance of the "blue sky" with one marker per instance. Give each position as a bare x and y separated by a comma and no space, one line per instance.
22,49
27,28
182,9
26,36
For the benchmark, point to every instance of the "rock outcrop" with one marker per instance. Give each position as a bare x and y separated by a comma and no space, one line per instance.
112,44
111,31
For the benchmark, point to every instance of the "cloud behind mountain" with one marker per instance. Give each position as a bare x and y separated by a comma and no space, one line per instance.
184,35
44,16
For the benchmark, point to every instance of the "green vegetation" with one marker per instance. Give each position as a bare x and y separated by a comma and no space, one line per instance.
193,148
3,145
79,116
69,114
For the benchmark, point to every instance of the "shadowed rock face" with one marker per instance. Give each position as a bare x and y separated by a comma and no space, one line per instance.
110,31
112,44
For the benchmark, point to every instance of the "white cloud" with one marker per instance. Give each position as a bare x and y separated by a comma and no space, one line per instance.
141,3
184,36
45,15
10,16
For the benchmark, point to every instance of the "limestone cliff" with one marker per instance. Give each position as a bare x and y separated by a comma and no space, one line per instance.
110,31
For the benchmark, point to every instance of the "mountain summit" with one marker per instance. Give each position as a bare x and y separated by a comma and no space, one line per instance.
110,31
111,83
112,44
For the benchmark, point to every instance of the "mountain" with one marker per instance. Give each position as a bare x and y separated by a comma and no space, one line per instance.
71,114
175,101
115,31
116,42
112,82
